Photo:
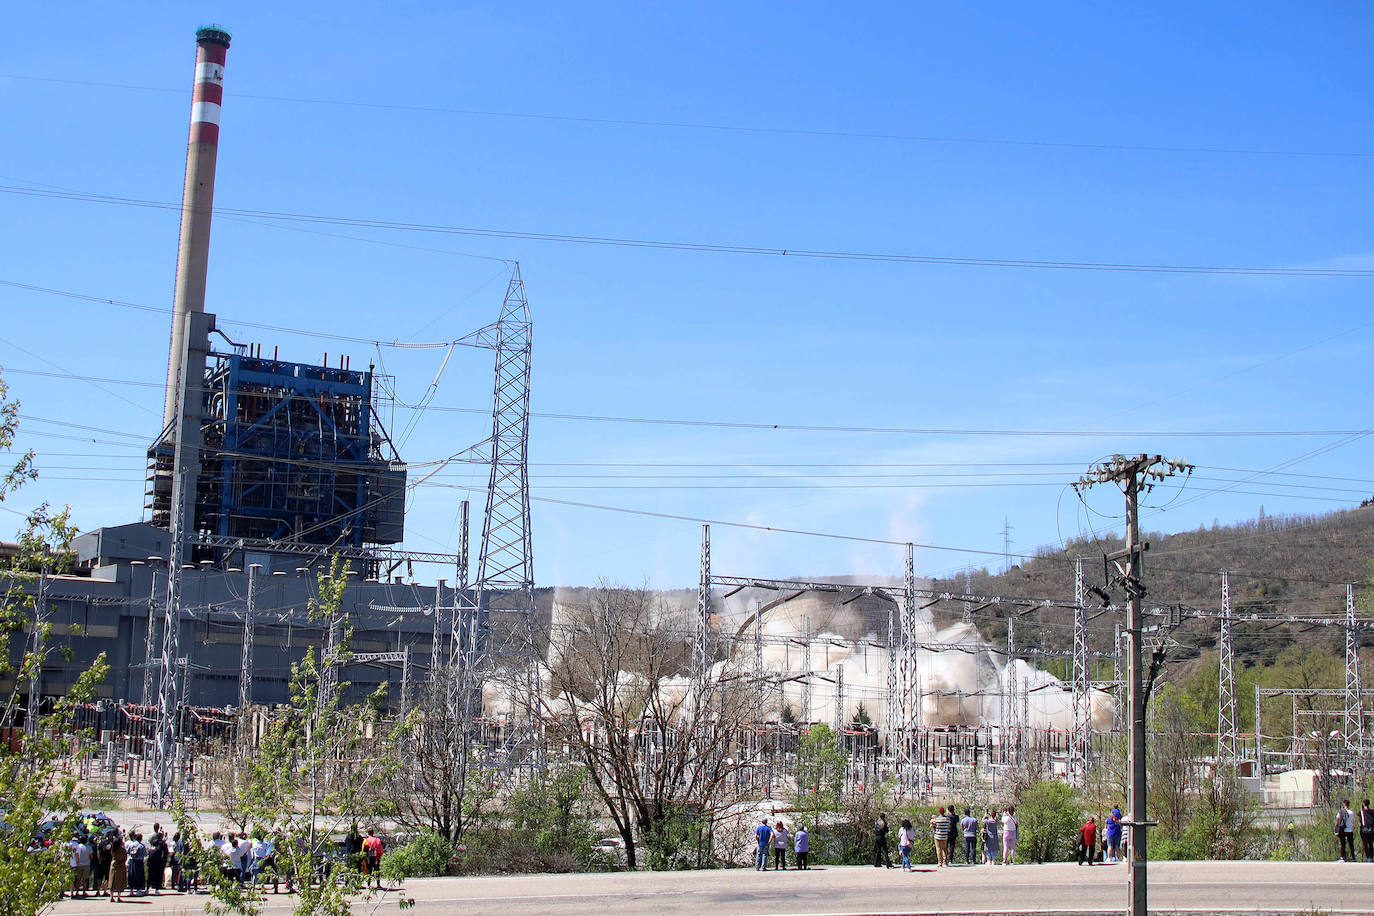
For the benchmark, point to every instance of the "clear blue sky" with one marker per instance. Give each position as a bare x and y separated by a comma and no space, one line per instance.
1230,135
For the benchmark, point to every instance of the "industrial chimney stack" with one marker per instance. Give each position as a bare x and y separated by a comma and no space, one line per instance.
198,199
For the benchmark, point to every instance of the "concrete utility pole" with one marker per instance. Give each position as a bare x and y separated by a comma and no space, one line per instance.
1132,475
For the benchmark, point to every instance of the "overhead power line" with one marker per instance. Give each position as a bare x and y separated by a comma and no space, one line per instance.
702,247
727,128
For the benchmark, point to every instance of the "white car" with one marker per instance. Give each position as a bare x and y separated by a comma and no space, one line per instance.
610,851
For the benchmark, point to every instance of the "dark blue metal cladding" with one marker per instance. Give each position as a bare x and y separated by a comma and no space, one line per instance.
292,454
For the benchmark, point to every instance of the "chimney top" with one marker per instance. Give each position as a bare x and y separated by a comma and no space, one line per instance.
216,33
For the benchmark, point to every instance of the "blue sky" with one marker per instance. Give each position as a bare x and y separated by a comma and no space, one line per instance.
1230,135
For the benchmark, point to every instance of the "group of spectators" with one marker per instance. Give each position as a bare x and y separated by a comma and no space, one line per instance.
998,831
776,838
107,861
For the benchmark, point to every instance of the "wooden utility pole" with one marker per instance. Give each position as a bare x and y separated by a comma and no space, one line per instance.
1133,475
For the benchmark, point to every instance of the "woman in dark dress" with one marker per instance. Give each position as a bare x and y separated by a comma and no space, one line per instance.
157,862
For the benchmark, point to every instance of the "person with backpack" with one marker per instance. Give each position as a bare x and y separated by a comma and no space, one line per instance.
372,856
1345,830
880,856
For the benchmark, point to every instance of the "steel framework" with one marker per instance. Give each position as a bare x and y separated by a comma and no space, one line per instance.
1081,748
1354,710
1227,739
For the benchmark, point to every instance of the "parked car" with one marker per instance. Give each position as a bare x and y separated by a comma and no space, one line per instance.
610,851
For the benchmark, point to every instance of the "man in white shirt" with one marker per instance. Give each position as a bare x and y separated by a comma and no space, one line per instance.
245,856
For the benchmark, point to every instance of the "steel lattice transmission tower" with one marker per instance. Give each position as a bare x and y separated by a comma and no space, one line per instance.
1354,711
1227,739
908,680
505,565
1081,750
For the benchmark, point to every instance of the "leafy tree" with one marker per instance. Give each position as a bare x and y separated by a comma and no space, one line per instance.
38,778
1049,817
820,772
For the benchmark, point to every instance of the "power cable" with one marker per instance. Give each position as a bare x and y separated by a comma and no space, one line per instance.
704,247
723,128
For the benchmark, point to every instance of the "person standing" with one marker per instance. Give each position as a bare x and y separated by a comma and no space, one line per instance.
157,860
119,867
244,852
779,846
1010,828
1113,832
138,865
801,845
1367,830
880,856
1345,827
1087,841
372,856
763,835
81,865
353,848
906,838
953,833
969,824
100,864
177,860
990,842
939,832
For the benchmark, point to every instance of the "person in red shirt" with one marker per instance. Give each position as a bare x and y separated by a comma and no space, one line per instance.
1087,841
372,858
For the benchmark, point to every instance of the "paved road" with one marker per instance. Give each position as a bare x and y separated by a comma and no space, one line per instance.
1175,887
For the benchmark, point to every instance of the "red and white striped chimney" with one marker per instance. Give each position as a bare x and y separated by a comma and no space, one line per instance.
198,198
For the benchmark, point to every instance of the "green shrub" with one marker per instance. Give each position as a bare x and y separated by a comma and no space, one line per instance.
1049,817
424,856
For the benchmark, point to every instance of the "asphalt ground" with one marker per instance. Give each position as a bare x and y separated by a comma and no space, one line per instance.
1193,888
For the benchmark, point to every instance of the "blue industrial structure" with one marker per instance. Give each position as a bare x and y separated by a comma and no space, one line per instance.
292,453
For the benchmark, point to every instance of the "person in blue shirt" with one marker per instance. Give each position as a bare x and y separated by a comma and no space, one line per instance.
802,847
1114,835
764,834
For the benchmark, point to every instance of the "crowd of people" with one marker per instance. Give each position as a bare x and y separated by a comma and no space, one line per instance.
989,839
107,861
